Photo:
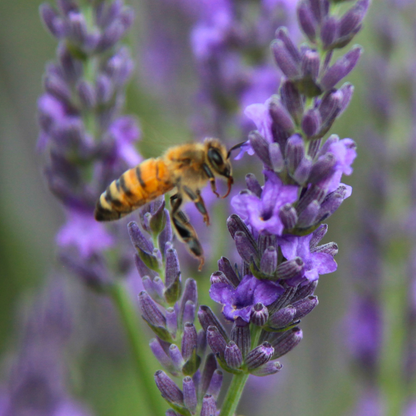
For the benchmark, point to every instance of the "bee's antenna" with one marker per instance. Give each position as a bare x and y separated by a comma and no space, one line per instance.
237,146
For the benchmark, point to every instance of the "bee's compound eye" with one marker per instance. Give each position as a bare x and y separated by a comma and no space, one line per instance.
215,158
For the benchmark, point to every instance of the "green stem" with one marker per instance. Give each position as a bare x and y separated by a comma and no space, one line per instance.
255,335
143,361
234,394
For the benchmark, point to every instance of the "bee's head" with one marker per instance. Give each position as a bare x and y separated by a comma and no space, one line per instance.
219,159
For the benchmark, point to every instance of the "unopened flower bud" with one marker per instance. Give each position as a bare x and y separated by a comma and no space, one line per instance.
271,367
303,171
190,293
259,314
286,342
168,388
260,147
311,122
280,115
224,266
247,251
276,158
216,341
318,235
138,239
233,356
289,269
322,168
304,291
305,306
283,34
306,20
189,340
219,277
176,357
310,64
158,219
189,312
210,367
209,407
253,184
341,68
284,60
295,152
288,216
308,216
207,318
150,311
189,394
160,354
283,317
268,262
215,384
329,248
259,356
329,31
86,94
172,269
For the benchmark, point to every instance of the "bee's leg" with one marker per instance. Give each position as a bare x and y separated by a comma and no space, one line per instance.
211,177
175,203
188,235
196,198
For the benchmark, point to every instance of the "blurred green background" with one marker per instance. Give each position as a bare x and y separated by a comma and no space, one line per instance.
317,379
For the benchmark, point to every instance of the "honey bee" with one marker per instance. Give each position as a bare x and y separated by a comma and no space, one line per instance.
188,168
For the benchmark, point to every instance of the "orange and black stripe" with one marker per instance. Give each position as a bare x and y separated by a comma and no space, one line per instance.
134,188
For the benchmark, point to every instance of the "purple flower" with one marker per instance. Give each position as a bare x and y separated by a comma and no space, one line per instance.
262,213
316,263
262,81
260,115
84,233
207,38
238,301
125,132
344,152
365,328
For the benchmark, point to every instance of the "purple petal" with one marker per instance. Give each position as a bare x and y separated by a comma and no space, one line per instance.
266,292
324,263
221,293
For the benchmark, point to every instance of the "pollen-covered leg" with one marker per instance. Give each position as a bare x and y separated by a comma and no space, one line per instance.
187,234
196,198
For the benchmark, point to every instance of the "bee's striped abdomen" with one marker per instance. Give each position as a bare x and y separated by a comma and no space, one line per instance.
133,189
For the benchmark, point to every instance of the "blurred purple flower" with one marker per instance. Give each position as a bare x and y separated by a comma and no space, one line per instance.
207,38
86,141
238,302
83,232
365,328
126,132
36,384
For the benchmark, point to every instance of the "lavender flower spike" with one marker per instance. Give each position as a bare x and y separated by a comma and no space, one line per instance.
279,222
